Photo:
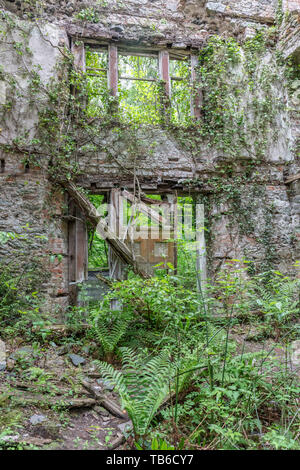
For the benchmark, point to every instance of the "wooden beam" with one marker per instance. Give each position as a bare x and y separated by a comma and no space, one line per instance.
164,71
201,247
116,265
291,178
78,51
173,200
91,214
72,242
81,247
197,97
83,202
139,79
113,69
77,250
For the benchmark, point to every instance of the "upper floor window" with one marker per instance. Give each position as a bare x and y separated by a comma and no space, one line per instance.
181,90
138,88
97,87
149,86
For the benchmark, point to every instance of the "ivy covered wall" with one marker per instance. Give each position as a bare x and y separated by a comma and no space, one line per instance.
238,157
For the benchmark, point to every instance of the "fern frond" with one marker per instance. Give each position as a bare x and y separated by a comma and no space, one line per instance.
108,333
113,376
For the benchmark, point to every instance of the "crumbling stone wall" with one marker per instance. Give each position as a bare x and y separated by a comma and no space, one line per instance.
28,196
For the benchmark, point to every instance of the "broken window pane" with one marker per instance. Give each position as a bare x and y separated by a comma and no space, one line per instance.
97,89
180,73
139,99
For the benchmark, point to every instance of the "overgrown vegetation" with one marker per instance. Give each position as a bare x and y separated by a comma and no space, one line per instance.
185,381
179,350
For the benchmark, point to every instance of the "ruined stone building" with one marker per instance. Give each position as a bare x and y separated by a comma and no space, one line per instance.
237,154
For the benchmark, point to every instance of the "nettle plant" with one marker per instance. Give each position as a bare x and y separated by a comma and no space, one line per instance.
158,301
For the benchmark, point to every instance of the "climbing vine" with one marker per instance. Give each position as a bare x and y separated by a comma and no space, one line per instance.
237,127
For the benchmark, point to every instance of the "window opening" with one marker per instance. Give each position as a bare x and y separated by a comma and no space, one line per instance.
139,98
97,86
180,75
139,85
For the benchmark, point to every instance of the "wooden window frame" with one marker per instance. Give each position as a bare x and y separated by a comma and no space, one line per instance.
164,57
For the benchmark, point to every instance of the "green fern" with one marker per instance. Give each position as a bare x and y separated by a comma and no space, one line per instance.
144,384
108,330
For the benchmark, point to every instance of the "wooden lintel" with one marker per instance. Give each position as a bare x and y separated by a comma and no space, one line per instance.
164,70
113,69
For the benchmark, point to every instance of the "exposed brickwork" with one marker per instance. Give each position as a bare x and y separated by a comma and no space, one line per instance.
25,202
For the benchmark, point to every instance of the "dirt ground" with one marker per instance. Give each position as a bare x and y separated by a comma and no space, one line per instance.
44,404
48,402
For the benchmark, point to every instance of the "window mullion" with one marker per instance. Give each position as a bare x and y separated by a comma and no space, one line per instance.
196,98
164,71
78,51
113,69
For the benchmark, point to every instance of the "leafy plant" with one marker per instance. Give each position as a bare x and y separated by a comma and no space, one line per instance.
108,328
157,444
17,296
279,439
88,14
144,384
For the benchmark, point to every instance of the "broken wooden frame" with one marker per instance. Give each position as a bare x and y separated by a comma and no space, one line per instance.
150,244
123,243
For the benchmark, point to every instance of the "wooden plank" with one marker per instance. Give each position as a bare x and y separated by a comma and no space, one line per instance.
164,70
91,213
72,252
117,268
81,248
77,250
78,50
291,178
139,79
83,202
173,200
113,69
197,97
